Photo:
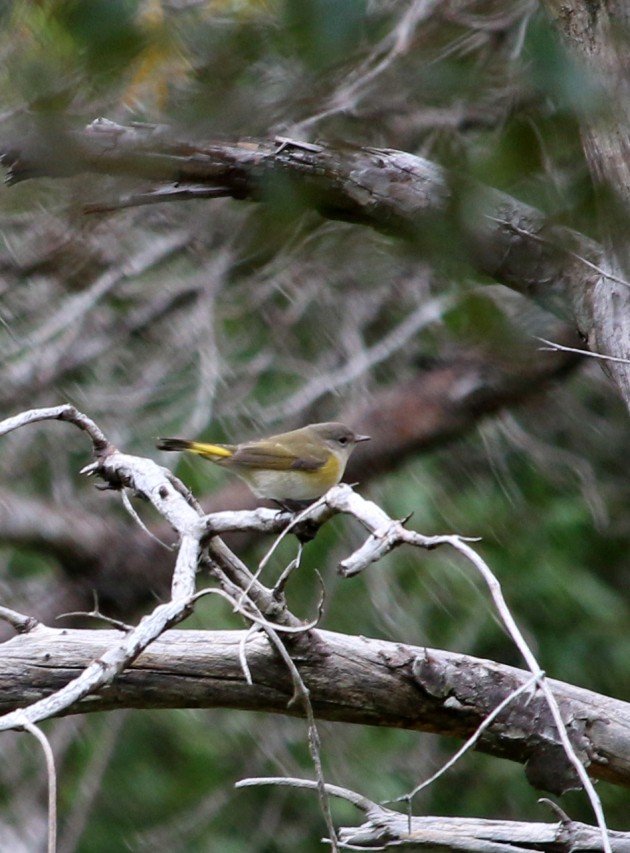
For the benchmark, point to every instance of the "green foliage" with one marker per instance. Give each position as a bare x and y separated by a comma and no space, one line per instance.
323,32
105,33
555,74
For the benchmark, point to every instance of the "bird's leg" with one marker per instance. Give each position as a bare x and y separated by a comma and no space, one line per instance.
288,505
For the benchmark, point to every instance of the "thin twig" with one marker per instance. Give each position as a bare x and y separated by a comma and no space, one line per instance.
280,584
256,618
300,690
171,192
293,523
65,412
523,232
358,800
132,512
472,740
52,780
95,613
553,347
22,624
242,654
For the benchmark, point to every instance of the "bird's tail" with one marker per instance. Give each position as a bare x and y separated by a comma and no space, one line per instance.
211,451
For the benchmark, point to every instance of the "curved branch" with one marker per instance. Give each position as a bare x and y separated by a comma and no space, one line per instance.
350,679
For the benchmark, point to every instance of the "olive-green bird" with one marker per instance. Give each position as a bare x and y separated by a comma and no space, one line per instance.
292,466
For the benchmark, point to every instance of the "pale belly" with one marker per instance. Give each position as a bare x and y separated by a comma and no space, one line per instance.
283,485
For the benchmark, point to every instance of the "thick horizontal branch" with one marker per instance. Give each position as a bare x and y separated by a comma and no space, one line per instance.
350,679
387,189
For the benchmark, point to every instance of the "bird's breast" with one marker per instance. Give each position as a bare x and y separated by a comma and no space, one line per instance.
294,484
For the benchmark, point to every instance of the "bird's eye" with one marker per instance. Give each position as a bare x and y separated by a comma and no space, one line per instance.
343,440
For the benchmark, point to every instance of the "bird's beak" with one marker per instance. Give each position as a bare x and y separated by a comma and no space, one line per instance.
362,438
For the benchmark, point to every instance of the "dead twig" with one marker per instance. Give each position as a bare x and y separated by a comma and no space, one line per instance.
52,781
386,534
553,347
385,829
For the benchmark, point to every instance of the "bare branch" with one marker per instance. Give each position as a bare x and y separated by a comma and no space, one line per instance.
158,196
95,613
61,413
256,618
553,347
393,829
350,679
132,512
384,188
301,693
22,624
52,782
606,273
145,477
388,534
357,800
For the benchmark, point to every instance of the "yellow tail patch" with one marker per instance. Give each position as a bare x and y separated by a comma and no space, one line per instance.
209,449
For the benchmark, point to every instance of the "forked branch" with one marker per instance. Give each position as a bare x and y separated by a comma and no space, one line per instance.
385,829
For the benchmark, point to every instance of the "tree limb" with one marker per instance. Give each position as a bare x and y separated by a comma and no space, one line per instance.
386,189
597,36
350,679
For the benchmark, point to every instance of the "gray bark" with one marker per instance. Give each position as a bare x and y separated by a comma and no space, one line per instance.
596,35
350,679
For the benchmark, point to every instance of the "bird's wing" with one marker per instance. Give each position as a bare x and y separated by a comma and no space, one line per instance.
277,457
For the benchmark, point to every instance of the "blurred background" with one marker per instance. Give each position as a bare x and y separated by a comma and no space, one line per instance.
224,320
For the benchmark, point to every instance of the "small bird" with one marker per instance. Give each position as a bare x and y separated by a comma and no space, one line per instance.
300,465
